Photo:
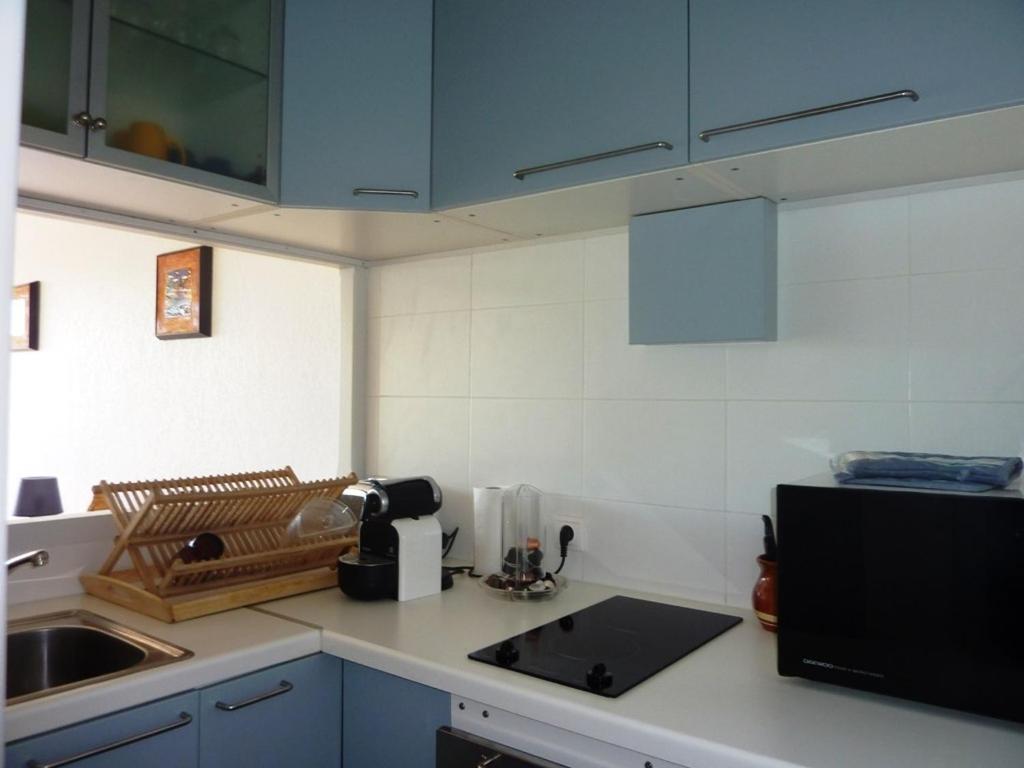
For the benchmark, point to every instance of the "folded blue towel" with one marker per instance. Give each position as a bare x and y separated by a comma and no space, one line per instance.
926,470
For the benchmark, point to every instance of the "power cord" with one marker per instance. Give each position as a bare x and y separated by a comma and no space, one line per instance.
448,541
565,535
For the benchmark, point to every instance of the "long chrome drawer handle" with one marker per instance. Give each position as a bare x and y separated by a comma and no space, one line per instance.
392,192
284,687
183,719
904,94
522,173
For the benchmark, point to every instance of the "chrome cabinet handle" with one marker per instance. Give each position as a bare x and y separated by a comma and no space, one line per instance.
183,719
284,687
522,173
393,192
486,761
904,94
85,120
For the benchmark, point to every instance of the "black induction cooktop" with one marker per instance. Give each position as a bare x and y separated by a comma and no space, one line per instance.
609,647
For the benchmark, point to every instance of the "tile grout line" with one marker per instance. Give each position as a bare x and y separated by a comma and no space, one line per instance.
469,392
910,321
762,401
725,492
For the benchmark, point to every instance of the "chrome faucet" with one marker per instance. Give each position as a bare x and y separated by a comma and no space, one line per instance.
36,557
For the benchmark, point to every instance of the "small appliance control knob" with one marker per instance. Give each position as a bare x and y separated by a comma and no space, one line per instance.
507,654
598,678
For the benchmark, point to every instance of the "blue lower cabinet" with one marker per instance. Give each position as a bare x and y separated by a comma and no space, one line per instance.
390,722
162,734
283,716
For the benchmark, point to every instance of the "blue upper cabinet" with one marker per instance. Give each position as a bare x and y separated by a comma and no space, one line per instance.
188,90
54,78
526,85
163,734
284,716
356,115
389,721
900,61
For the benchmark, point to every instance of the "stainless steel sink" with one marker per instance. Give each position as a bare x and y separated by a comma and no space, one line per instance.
60,651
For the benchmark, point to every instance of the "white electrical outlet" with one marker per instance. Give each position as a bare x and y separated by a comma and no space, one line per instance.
579,531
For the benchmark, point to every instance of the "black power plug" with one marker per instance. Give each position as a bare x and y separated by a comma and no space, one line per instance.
565,535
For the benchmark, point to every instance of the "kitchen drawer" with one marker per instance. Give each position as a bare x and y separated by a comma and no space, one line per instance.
162,734
283,716
751,61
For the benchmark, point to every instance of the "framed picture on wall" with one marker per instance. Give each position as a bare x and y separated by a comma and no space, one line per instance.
25,316
184,285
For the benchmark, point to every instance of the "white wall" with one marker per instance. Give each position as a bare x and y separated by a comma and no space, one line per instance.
899,328
103,398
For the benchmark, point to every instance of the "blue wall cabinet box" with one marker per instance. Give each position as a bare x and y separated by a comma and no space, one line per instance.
754,60
283,716
162,734
357,89
389,721
703,274
521,84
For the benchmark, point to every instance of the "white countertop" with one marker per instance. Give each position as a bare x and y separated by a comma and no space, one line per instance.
225,645
723,706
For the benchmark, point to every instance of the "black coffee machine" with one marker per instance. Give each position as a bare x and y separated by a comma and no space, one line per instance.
400,540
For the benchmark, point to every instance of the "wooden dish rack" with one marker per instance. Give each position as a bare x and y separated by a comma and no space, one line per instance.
249,512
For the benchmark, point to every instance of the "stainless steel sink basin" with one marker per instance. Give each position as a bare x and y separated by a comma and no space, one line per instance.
60,651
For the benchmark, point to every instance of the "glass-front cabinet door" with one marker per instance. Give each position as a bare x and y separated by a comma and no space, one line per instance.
54,80
189,89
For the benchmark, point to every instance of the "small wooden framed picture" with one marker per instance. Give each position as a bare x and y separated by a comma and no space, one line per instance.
184,285
25,317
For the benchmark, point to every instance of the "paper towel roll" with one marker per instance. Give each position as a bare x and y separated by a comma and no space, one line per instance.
487,529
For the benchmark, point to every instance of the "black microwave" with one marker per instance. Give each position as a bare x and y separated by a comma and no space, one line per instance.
917,594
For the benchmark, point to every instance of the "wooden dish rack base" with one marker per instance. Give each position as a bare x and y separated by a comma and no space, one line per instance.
250,512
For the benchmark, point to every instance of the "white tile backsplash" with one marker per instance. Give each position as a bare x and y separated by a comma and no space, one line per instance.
430,436
655,549
843,242
967,336
899,324
606,271
670,453
613,369
844,340
771,443
528,351
744,541
978,429
971,228
420,355
527,441
537,274
431,285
